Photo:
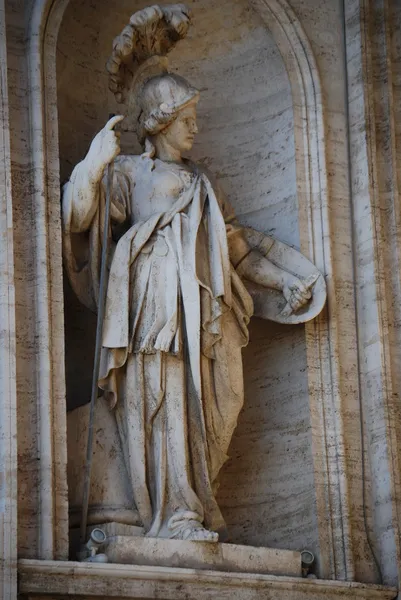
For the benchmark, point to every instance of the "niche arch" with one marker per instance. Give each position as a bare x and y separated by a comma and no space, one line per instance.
323,375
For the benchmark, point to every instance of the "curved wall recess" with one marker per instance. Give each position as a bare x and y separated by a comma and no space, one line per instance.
336,559
323,372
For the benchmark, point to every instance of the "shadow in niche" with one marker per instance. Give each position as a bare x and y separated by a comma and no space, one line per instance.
266,487
80,332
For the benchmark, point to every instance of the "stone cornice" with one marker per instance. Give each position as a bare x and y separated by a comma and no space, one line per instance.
83,580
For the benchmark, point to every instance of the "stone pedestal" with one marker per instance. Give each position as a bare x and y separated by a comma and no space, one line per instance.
202,555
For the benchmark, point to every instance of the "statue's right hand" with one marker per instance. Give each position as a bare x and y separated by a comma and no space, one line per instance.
104,147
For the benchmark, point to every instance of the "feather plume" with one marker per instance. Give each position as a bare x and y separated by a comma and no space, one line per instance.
139,51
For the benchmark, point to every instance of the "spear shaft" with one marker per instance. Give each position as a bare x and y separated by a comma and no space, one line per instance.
98,348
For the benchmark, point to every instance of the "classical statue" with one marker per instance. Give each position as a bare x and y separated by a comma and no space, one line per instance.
178,301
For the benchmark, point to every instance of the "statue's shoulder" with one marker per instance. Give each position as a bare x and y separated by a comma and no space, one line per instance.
201,170
225,205
126,162
130,165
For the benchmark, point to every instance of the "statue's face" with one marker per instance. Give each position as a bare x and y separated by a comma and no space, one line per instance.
180,133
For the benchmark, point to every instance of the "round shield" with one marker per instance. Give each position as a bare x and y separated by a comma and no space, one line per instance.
271,304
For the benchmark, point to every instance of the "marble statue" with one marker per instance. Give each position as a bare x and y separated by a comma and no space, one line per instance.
181,274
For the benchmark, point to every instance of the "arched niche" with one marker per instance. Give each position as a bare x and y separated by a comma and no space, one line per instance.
246,138
309,221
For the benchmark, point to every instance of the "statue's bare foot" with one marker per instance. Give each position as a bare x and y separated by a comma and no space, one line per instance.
187,525
200,534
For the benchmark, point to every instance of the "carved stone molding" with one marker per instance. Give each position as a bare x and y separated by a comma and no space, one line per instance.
52,519
126,581
8,397
374,72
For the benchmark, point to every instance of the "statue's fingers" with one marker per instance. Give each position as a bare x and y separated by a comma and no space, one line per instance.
297,295
295,308
302,287
305,296
111,123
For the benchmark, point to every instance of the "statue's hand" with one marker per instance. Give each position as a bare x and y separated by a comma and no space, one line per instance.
104,148
295,292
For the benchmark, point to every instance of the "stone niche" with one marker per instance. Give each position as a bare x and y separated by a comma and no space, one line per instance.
246,139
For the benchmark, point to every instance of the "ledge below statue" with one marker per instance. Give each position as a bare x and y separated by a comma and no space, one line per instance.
40,580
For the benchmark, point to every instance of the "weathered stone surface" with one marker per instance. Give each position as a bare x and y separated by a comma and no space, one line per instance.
64,580
8,396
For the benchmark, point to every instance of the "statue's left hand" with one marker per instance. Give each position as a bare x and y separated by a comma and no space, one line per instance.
295,292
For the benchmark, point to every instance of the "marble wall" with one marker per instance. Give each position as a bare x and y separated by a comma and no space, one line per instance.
8,416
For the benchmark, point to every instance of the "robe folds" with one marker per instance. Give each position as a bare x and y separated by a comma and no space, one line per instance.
176,319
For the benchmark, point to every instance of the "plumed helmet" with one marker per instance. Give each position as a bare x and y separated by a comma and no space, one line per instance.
138,69
160,101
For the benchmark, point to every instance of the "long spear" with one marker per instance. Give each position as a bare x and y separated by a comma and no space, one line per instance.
98,348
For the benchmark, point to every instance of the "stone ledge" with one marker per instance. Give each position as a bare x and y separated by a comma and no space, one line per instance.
40,579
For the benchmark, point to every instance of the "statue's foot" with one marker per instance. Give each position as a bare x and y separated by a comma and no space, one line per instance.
199,534
188,526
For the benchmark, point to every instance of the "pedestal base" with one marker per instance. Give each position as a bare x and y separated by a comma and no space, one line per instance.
202,555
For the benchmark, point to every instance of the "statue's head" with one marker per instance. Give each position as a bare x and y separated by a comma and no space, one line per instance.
168,107
159,103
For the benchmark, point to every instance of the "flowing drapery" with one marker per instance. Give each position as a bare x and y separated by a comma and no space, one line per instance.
176,320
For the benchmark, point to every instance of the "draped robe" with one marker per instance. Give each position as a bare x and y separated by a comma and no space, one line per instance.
175,322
